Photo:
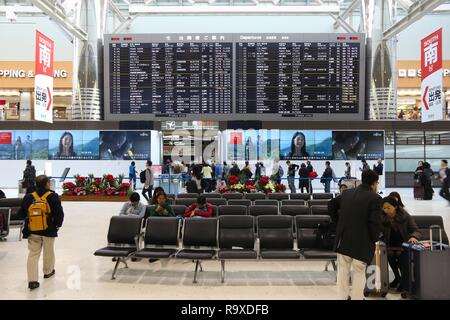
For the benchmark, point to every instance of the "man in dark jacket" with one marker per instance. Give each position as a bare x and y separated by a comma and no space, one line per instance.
334,206
357,231
38,240
29,177
234,171
292,168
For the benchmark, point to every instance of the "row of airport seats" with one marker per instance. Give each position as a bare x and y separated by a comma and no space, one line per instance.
229,237
248,202
256,196
260,210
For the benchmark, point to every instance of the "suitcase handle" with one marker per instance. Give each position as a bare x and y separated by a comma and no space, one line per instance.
435,226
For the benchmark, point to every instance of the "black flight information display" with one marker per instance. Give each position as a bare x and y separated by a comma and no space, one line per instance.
170,78
297,78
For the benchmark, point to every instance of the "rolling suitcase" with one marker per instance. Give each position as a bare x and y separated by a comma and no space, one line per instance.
428,269
419,190
377,273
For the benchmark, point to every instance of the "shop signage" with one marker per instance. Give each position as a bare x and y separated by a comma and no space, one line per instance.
43,81
431,87
21,73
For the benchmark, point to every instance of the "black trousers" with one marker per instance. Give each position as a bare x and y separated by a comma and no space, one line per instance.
399,264
444,193
149,191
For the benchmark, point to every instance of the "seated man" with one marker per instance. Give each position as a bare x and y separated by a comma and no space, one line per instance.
199,209
162,206
133,207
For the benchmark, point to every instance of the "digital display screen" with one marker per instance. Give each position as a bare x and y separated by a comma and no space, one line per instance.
23,145
297,78
125,145
302,145
234,76
73,145
358,145
170,78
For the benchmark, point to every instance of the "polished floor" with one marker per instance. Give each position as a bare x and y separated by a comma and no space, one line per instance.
81,275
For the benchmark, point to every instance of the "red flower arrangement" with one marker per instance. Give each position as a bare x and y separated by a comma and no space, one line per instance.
80,179
263,181
108,185
280,187
233,180
250,182
249,188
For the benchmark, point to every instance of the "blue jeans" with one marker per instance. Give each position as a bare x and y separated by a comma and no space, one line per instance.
327,186
132,179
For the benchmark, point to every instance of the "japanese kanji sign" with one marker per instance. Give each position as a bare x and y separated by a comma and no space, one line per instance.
431,66
43,80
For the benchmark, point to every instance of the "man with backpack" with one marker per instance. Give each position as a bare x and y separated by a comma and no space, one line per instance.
43,216
146,178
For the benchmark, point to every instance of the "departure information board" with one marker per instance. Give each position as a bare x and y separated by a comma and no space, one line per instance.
170,78
224,77
292,78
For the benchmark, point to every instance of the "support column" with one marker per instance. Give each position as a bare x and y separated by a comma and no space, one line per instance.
381,59
88,61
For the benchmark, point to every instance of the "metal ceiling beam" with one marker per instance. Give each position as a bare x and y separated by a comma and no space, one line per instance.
21,9
116,11
53,12
417,11
124,25
352,6
341,22
234,10
405,4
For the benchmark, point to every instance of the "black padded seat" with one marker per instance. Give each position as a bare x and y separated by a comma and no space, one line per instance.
255,196
233,195
280,254
212,195
195,254
232,210
322,196
240,202
155,253
115,251
295,210
231,254
293,203
278,196
320,255
187,195
300,196
275,234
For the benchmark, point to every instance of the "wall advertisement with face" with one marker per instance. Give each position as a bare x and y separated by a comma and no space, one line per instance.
73,145
302,145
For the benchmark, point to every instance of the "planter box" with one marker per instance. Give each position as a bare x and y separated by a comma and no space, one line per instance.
94,198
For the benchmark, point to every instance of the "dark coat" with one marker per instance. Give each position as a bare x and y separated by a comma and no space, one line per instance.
359,223
234,171
303,173
55,219
404,223
334,206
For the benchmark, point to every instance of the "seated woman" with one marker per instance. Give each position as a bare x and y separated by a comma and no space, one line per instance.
397,227
134,206
156,191
162,207
199,209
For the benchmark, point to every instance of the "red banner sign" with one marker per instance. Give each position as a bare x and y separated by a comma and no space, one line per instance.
5,137
431,86
236,138
43,80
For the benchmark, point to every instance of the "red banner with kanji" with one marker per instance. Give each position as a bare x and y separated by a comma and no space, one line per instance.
43,80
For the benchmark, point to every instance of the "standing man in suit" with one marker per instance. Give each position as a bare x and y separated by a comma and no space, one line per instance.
358,229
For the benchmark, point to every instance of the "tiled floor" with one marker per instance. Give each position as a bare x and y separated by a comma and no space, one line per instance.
81,275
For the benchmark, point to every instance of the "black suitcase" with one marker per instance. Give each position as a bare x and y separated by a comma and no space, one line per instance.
428,269
377,273
419,190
